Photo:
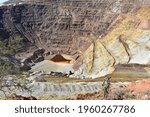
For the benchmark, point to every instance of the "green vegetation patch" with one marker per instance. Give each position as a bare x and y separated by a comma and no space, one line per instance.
11,46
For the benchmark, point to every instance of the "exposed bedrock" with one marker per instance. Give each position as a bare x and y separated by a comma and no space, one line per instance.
44,89
97,34
126,44
58,26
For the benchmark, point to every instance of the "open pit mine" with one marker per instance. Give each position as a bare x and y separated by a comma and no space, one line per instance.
60,49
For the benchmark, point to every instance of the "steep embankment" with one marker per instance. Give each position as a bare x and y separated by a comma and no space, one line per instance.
59,27
128,42
97,34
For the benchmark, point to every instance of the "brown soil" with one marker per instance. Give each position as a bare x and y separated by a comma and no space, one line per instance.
139,86
59,59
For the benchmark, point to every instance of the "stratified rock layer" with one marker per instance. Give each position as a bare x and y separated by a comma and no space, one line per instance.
126,43
98,34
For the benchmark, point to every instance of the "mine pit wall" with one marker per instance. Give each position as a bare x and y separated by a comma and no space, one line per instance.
71,27
61,27
104,58
124,44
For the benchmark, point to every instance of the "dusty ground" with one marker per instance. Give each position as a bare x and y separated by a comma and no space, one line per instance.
125,84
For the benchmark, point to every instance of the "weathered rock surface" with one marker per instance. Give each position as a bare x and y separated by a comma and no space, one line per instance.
97,34
126,43
44,89
57,26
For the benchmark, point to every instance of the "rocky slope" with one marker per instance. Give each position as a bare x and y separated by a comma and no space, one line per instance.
97,34
128,42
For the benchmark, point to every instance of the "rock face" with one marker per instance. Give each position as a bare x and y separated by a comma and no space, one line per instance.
59,26
126,43
44,89
97,34
50,26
